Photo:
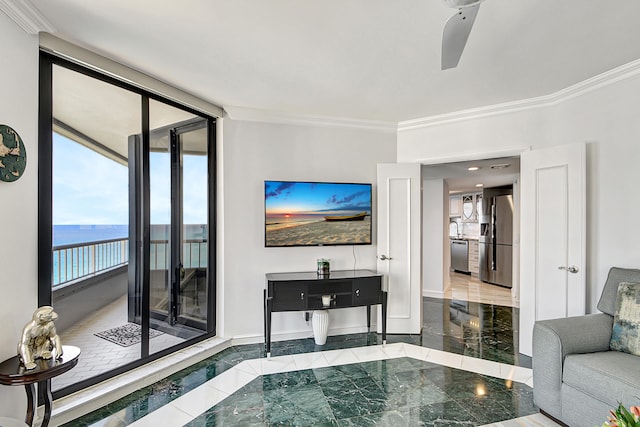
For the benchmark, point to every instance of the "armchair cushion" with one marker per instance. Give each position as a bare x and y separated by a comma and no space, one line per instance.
553,340
607,303
606,376
626,324
576,377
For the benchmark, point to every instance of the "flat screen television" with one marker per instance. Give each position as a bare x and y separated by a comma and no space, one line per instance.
316,213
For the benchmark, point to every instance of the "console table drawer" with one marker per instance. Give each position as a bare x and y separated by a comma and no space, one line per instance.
290,297
367,291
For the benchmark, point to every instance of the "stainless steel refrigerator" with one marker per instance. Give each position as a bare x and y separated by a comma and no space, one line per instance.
496,239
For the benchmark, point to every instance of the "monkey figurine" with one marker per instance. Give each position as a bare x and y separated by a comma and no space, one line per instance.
39,338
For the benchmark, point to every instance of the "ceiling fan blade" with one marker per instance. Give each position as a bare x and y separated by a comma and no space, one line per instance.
455,35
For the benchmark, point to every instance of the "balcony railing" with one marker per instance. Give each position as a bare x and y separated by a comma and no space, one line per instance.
77,261
194,254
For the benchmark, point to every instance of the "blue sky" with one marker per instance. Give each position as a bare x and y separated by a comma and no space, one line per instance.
89,188
304,197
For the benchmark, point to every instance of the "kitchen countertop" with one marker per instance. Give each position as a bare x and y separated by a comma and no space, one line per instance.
474,238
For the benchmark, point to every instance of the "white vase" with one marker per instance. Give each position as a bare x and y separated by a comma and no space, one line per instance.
320,324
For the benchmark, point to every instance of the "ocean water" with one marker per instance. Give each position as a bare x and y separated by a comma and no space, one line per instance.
71,234
79,261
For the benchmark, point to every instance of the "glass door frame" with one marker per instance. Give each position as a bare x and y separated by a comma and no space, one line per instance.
140,256
177,221
138,176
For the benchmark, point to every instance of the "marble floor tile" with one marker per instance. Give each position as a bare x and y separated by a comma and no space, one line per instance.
466,287
460,371
199,400
365,354
230,381
535,420
340,357
169,416
445,358
278,364
310,360
304,406
353,398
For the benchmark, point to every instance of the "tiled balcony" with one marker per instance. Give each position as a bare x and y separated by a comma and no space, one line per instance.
99,355
90,294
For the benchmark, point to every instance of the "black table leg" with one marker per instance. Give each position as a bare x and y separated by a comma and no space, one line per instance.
268,303
48,400
368,318
384,317
31,392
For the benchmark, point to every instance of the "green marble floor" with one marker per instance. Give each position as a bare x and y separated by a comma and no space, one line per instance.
392,392
395,392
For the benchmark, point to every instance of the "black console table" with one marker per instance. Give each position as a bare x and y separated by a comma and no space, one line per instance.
304,291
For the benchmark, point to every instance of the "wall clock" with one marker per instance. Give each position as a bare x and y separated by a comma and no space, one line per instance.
13,156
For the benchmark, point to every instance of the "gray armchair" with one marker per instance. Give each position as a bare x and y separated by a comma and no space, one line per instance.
577,379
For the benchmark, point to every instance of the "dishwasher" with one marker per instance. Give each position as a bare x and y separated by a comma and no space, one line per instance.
460,255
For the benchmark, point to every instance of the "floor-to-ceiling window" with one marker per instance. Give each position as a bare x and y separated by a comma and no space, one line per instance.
126,221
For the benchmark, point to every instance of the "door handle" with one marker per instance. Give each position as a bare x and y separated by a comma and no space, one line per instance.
383,257
571,269
180,272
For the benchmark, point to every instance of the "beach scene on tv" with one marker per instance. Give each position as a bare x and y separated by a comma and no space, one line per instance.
311,213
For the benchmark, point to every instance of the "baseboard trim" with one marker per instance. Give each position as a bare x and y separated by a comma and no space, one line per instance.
257,339
432,294
552,418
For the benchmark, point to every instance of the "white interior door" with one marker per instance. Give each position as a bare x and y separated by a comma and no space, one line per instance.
553,237
399,244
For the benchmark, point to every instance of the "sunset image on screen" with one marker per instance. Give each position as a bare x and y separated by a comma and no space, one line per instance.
311,213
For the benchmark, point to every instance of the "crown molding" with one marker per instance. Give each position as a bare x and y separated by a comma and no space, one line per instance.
23,13
629,70
266,116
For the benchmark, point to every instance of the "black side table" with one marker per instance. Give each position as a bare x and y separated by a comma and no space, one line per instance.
304,291
13,373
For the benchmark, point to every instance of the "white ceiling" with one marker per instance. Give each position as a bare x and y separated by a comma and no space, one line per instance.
357,59
103,112
490,173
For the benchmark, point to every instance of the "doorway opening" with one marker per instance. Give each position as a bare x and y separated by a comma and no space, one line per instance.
471,220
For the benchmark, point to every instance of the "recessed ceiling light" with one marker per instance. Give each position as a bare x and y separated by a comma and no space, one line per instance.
479,185
500,166
473,168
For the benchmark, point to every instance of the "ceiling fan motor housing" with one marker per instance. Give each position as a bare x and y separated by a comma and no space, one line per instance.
457,4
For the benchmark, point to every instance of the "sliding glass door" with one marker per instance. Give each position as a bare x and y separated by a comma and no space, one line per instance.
126,217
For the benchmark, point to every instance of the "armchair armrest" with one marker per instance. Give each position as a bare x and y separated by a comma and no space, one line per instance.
552,341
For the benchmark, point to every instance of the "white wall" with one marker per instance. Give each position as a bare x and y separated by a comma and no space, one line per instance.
433,232
607,119
254,152
18,200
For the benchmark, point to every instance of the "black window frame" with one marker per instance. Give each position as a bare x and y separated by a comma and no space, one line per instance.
45,207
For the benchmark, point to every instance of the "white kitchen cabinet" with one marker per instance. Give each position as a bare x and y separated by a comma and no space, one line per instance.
468,207
471,207
455,205
474,258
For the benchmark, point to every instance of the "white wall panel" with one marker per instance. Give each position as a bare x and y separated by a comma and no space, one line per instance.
18,200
